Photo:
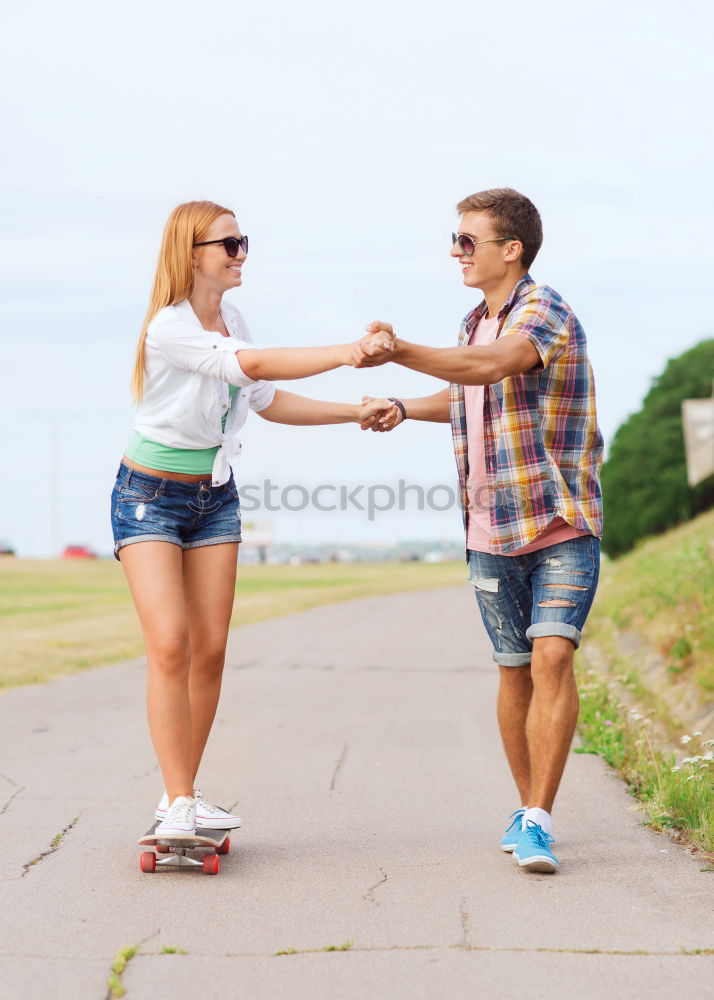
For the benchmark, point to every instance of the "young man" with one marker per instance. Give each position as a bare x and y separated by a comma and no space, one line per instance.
521,403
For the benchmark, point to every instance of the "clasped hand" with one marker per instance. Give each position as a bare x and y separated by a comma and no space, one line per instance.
376,348
378,414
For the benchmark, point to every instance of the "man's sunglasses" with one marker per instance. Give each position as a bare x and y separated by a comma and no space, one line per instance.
467,244
231,243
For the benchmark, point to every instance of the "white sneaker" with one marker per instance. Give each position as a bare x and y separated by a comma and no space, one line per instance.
212,817
208,816
179,819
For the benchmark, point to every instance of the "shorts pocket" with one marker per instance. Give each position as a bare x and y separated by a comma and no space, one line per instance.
136,494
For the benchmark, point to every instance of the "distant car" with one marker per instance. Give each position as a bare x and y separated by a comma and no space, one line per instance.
78,552
6,550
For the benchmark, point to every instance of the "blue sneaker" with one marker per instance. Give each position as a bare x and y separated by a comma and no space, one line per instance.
510,837
533,849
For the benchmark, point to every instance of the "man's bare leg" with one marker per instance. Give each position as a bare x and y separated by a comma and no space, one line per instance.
514,699
552,717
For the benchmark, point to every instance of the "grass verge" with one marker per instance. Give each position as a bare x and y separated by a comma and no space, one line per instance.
646,678
653,611
677,794
58,617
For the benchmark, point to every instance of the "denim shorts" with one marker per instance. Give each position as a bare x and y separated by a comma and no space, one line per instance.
546,592
151,509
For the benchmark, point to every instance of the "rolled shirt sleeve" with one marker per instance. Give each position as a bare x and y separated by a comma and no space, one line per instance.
544,325
193,349
262,394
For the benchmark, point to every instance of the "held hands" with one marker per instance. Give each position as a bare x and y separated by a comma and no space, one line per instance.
375,348
379,414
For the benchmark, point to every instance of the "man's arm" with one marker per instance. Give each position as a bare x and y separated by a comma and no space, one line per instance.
434,409
470,365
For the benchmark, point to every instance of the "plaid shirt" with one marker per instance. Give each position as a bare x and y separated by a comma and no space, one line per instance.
542,444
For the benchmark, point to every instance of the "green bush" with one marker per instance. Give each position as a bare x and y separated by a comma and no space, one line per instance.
645,477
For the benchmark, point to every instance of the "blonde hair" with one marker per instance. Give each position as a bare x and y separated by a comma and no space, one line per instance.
174,278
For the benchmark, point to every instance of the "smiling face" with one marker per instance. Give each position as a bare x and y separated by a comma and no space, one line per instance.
213,268
490,264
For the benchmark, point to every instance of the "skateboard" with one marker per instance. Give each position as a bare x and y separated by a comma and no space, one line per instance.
176,849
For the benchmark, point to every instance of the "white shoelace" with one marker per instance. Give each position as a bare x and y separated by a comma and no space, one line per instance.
207,807
179,814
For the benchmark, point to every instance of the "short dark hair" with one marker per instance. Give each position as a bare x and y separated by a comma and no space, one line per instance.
512,214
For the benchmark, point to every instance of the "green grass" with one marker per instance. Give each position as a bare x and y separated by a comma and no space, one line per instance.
663,592
646,676
677,796
346,946
57,617
114,983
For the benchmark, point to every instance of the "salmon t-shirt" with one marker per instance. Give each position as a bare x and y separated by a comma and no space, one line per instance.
479,531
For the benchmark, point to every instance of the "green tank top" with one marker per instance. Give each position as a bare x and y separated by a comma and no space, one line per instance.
191,461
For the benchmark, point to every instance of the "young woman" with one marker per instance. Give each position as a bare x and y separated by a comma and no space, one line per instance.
196,376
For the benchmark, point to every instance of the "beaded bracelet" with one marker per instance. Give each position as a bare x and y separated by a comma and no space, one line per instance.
400,404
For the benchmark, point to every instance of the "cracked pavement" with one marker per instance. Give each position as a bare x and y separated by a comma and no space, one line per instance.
359,744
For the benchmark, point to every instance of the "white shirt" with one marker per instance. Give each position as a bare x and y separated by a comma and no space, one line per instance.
186,374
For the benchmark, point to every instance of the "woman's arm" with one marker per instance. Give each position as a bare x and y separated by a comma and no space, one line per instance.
298,362
289,408
193,349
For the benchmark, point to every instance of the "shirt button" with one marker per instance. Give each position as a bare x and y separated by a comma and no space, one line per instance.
215,346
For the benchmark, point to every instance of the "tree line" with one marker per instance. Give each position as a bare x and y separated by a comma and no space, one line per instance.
644,479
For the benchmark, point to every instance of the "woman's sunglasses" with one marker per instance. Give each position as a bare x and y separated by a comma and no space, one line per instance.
467,244
231,243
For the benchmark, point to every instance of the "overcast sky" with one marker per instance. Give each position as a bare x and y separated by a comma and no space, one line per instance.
342,136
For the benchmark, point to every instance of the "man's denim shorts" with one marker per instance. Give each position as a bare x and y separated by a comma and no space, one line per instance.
151,509
542,593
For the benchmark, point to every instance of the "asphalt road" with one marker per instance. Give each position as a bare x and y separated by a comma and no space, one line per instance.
358,742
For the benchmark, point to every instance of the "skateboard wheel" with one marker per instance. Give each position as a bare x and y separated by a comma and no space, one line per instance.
147,861
162,848
211,864
224,847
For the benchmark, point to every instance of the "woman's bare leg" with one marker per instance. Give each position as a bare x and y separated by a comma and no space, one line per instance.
209,578
155,575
